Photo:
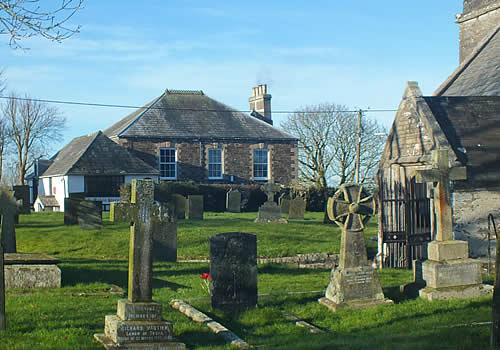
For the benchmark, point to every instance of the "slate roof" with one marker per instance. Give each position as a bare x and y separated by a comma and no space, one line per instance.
96,154
181,114
479,74
472,127
49,201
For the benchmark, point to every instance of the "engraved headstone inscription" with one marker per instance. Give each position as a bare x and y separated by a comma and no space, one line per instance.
138,323
353,283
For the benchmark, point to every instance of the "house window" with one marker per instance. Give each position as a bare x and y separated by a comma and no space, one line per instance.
260,164
168,163
103,186
215,163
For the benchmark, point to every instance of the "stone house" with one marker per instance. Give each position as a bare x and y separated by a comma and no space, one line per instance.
187,135
463,115
180,135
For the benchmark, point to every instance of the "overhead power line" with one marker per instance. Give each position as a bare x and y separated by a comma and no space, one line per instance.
109,105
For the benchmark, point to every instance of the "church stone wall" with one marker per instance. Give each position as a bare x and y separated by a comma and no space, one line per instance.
470,216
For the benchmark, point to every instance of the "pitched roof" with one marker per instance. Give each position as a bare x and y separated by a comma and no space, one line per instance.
96,154
182,114
479,74
472,127
49,201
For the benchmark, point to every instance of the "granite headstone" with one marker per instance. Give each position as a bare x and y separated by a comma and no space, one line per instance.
195,207
233,201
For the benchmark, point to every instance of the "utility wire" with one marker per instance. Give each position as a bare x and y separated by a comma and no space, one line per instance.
91,104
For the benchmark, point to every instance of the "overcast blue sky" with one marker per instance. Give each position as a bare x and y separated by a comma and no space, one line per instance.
358,53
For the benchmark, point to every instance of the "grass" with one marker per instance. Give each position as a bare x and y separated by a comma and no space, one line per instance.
93,261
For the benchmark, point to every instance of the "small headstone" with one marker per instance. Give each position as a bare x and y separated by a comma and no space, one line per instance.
284,203
70,211
89,214
270,211
180,204
165,235
22,195
233,201
8,211
297,209
138,323
119,212
233,268
195,207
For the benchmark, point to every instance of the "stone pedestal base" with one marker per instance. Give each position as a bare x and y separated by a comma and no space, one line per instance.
449,272
356,287
138,326
270,212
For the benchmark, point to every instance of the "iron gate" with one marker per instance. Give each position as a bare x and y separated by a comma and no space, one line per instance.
405,222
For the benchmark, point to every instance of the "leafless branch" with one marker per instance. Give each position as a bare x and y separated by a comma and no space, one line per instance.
21,19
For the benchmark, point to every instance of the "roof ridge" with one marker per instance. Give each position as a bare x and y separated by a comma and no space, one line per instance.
184,92
95,135
466,63
140,114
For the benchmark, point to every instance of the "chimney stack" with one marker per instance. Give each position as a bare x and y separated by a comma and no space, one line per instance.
260,103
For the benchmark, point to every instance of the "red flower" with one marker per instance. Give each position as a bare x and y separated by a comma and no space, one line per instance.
206,276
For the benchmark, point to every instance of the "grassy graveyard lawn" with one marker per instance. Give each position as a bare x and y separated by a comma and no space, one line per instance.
94,268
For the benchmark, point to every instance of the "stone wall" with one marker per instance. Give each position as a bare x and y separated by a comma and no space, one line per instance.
470,213
192,158
479,19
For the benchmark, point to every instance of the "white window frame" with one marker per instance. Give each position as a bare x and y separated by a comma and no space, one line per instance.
260,178
221,164
160,163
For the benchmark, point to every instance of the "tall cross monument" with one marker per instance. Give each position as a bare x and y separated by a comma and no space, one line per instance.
448,272
138,322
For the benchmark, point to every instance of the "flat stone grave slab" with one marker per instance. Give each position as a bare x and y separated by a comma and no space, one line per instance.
31,271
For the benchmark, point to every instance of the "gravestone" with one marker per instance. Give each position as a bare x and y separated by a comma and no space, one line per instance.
354,282
233,268
195,207
89,214
165,235
70,211
180,206
119,212
448,272
22,195
297,209
31,270
8,211
284,203
233,201
138,323
270,211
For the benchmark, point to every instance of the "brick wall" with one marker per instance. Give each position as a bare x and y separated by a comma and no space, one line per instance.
192,159
476,24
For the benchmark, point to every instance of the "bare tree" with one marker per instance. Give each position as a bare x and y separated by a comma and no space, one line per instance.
33,126
327,136
20,19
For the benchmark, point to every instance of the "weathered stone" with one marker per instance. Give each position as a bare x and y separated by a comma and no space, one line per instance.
8,212
180,204
297,209
233,201
119,212
354,282
31,271
89,214
70,211
138,311
447,250
195,207
284,203
164,235
233,267
270,211
2,291
138,323
22,195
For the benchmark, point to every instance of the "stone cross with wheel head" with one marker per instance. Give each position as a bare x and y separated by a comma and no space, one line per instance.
138,323
354,282
448,272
